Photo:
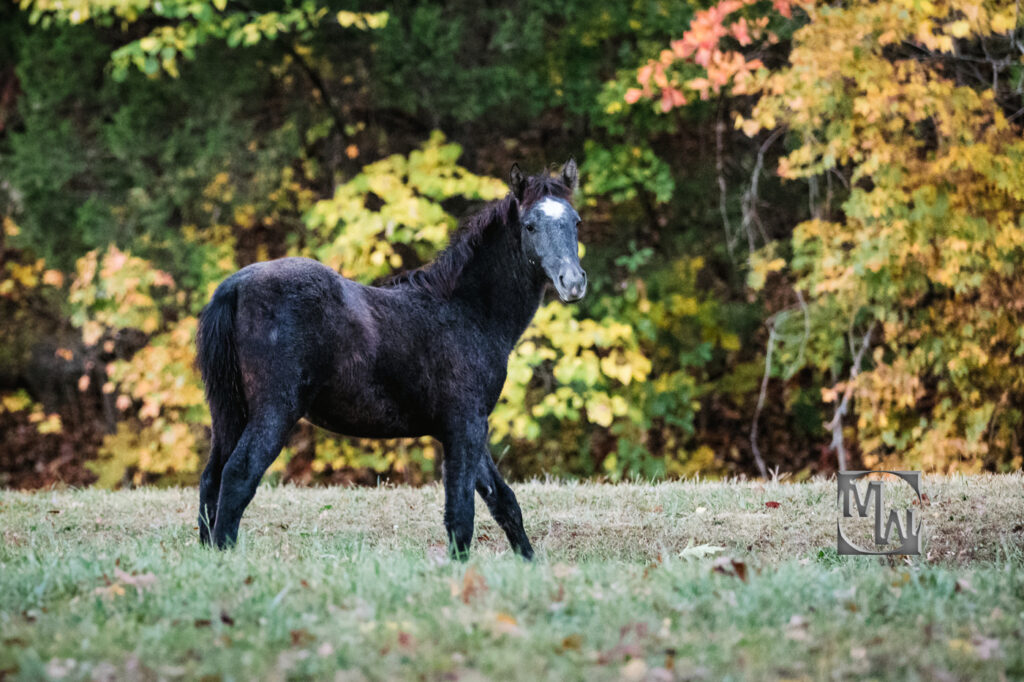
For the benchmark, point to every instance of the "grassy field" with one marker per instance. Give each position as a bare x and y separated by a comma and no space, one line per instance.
628,584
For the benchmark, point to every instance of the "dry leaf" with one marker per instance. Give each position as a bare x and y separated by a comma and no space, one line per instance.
964,585
110,591
730,566
692,551
140,582
506,624
473,585
301,637
573,642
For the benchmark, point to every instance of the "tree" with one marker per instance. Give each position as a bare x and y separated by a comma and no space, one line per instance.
913,281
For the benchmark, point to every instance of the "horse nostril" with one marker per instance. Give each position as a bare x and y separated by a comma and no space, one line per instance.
561,280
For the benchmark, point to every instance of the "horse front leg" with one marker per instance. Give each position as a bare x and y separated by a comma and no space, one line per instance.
502,503
461,450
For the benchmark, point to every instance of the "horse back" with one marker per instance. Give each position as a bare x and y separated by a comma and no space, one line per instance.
357,360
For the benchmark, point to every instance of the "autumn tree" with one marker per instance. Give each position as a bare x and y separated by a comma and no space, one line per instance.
910,266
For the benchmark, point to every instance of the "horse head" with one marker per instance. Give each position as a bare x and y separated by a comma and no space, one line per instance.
548,228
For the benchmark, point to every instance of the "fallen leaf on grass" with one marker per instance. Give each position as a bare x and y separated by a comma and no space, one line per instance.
964,585
473,585
110,591
573,642
558,599
506,624
301,637
140,582
730,566
692,551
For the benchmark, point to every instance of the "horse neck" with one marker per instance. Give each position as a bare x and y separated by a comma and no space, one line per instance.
498,284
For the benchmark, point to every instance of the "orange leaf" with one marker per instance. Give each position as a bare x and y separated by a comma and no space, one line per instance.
473,585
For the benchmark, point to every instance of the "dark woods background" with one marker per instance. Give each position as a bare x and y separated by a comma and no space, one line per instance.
146,154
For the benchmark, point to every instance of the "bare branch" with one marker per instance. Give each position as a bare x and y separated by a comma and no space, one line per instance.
760,401
798,363
730,238
750,216
836,425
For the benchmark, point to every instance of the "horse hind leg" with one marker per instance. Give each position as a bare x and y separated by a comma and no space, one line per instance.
260,443
504,507
227,426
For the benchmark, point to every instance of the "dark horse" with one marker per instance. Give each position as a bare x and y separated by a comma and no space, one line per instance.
426,354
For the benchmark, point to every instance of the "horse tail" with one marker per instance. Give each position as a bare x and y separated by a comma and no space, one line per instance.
217,357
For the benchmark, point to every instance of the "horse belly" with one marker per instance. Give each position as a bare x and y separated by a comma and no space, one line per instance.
364,414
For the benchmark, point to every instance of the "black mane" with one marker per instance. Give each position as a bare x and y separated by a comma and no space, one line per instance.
440,277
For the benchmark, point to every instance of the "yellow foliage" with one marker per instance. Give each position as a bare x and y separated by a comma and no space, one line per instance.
116,291
163,437
20,401
929,250
592,360
359,242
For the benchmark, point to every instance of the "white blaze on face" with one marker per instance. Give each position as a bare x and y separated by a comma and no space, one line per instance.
552,208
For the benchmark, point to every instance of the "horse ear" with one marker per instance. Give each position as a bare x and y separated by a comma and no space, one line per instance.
517,181
571,174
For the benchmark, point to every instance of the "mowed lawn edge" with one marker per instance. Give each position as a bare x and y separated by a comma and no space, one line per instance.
354,582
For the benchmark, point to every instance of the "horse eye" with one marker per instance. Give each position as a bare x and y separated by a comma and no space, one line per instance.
530,227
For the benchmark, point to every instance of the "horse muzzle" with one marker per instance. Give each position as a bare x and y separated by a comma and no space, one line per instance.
570,283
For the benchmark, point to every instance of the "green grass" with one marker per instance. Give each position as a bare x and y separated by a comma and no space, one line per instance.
353,584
